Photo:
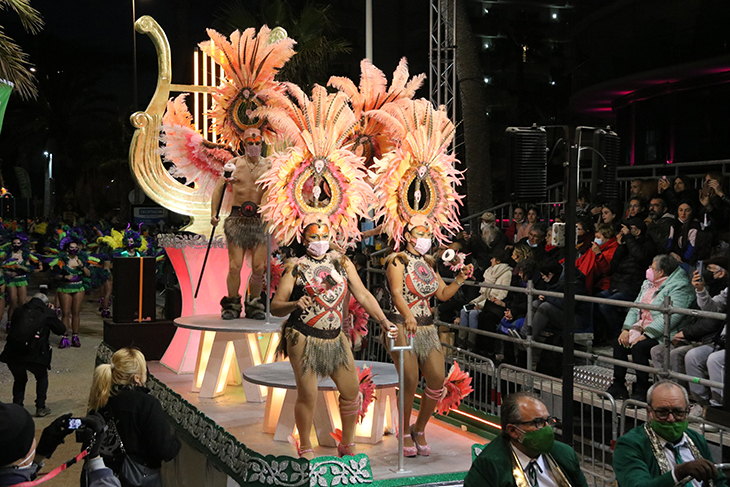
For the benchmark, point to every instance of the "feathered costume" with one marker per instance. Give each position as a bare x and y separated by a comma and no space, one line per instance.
72,279
18,263
370,136
250,61
316,180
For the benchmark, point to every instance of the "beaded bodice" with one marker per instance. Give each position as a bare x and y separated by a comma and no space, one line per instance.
420,283
320,280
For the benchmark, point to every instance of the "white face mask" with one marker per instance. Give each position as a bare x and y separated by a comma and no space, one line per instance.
599,241
253,151
422,245
483,226
318,248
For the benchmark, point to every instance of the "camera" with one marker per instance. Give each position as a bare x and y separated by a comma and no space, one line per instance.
74,423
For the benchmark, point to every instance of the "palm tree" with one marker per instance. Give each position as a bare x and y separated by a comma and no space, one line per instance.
14,63
308,23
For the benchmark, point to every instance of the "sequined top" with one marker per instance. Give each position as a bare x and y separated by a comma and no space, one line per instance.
321,280
420,283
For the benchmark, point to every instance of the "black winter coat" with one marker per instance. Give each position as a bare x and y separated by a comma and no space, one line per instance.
142,426
629,263
40,352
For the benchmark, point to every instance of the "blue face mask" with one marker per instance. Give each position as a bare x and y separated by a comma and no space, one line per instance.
598,241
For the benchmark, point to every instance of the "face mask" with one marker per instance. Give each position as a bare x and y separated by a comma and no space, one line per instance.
669,431
650,274
539,441
17,246
73,251
318,248
483,226
531,245
253,151
422,245
599,241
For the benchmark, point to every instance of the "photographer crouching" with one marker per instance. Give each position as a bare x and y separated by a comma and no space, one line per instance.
21,458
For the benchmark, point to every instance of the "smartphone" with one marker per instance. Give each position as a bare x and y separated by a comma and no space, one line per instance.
74,423
701,268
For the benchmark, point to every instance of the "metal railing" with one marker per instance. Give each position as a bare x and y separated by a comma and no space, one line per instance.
599,420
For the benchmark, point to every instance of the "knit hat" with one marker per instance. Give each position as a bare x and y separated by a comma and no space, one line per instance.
489,217
17,431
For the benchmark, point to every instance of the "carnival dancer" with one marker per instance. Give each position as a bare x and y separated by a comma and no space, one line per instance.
250,61
245,230
418,201
17,265
314,289
315,192
71,266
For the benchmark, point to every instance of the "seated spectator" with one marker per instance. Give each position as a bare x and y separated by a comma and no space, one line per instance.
643,328
515,308
715,206
628,266
641,188
604,247
636,209
552,252
584,208
708,360
663,451
675,190
549,311
536,240
585,229
700,331
518,221
683,234
489,238
525,450
532,220
611,213
659,223
489,300
521,252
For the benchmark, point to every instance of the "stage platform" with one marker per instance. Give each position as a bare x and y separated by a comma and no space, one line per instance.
230,429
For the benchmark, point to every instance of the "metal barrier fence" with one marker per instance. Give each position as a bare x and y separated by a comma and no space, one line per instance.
598,422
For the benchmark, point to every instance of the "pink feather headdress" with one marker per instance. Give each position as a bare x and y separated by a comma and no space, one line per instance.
316,177
417,180
371,134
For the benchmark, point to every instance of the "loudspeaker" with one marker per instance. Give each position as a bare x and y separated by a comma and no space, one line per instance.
527,159
134,289
151,338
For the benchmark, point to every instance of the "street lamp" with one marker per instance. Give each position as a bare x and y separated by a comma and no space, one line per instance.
134,57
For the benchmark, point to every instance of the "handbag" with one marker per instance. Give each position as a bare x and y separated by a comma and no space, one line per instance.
505,325
130,473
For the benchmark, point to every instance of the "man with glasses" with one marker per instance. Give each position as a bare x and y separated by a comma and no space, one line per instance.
663,452
526,454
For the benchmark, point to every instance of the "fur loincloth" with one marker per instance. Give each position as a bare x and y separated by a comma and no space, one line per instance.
245,229
426,339
323,356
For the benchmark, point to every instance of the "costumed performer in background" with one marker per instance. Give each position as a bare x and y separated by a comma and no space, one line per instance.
417,197
17,264
71,266
314,288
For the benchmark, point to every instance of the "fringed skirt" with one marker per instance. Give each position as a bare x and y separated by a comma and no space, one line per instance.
426,339
247,232
325,351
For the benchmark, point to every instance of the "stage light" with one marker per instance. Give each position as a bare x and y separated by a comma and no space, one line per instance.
552,83
487,79
555,16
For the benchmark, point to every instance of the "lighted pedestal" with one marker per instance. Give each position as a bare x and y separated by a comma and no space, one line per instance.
228,346
282,395
186,255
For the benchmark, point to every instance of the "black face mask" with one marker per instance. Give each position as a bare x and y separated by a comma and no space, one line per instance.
73,251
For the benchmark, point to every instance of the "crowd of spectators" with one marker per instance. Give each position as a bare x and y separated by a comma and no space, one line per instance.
665,239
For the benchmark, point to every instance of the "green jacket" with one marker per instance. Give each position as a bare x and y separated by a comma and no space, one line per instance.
635,466
677,287
493,466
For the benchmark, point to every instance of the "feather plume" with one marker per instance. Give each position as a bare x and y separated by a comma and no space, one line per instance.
194,157
457,387
250,62
372,136
367,389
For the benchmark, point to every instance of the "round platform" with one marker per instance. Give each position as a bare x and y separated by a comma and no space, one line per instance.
216,323
281,375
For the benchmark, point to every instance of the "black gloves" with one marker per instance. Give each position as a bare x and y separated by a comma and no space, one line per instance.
53,436
96,430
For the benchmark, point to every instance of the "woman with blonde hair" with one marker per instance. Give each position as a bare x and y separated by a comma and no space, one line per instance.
119,394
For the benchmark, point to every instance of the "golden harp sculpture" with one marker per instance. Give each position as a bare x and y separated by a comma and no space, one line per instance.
144,152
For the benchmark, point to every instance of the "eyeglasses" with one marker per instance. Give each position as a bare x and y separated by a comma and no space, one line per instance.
540,422
663,414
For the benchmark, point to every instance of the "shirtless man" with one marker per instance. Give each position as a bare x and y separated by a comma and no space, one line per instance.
244,229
